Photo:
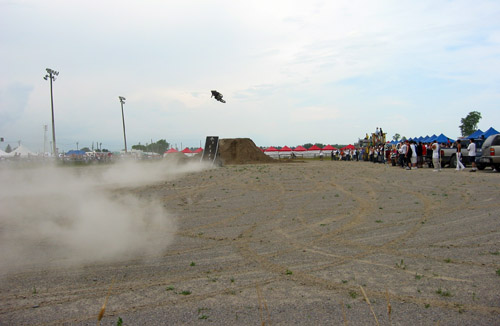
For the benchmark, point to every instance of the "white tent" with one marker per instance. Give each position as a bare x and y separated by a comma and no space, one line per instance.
22,151
5,154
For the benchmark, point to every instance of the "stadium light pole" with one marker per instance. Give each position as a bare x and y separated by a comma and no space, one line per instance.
122,101
51,74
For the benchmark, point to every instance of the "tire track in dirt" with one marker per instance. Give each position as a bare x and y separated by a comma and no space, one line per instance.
301,276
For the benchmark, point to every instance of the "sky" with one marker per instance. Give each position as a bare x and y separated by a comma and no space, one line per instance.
291,72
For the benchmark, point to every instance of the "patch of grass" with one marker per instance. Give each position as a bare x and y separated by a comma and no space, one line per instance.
498,272
427,305
443,293
34,290
496,253
232,279
348,306
401,265
379,221
418,277
288,272
192,264
344,281
119,322
169,288
185,292
353,294
380,207
337,195
447,260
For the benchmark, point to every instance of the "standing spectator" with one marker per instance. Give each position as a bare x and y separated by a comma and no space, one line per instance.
420,154
414,153
435,156
424,153
472,154
402,154
460,166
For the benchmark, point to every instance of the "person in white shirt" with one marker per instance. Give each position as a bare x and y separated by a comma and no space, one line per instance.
472,154
413,155
435,156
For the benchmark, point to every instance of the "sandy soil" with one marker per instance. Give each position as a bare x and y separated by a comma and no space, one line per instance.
294,244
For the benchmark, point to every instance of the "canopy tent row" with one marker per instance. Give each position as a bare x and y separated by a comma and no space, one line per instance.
21,151
486,134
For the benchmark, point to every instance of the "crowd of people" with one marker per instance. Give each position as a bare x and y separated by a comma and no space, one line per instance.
410,154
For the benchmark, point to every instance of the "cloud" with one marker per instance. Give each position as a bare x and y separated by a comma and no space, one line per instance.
314,113
13,102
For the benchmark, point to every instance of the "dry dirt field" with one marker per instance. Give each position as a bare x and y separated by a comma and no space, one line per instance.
293,244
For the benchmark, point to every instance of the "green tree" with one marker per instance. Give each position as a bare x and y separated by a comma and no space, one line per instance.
159,147
139,147
8,149
396,137
85,149
469,123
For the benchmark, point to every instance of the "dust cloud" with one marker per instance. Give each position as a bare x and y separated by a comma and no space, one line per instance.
66,216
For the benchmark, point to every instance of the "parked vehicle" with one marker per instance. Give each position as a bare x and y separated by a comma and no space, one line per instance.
449,155
490,153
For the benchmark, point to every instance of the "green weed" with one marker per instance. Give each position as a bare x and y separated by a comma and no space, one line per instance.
443,293
401,264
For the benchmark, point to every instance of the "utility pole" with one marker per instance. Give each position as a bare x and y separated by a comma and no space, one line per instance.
44,139
51,74
122,101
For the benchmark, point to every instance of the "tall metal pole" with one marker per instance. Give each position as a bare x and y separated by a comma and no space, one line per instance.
122,101
53,122
51,75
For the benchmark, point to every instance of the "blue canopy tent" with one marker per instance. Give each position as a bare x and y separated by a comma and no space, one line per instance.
432,138
476,134
73,152
489,132
443,139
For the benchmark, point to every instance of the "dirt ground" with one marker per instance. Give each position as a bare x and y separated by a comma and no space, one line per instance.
293,244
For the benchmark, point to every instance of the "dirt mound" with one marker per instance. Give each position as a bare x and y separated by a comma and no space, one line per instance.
241,151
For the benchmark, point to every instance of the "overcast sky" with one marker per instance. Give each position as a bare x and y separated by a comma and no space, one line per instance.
292,72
